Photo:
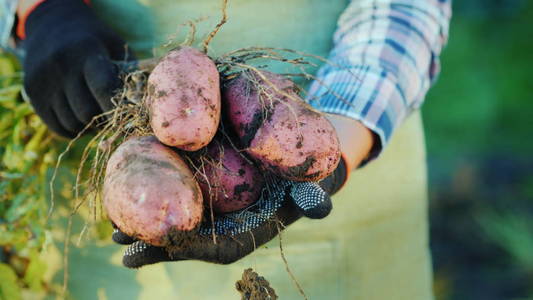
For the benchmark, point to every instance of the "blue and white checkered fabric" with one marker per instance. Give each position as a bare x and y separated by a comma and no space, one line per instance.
7,19
385,57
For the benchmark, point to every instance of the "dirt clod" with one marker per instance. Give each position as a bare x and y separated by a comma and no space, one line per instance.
254,287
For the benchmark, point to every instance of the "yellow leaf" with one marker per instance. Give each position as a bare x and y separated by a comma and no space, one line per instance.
9,288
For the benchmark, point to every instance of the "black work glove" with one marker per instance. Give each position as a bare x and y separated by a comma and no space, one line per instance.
69,74
240,233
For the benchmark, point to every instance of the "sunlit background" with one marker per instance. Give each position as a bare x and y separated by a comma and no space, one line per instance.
478,120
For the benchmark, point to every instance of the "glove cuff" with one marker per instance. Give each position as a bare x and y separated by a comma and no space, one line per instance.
22,18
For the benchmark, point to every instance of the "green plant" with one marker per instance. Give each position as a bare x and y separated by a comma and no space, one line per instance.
28,153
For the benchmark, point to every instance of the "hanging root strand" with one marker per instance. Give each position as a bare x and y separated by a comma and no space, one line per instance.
217,28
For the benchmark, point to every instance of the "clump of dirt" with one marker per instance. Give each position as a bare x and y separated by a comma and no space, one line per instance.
254,287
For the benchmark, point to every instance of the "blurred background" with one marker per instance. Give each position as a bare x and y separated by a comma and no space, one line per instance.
478,121
479,131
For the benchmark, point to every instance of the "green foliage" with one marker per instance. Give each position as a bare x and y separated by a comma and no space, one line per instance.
27,154
512,231
478,131
28,158
483,94
9,289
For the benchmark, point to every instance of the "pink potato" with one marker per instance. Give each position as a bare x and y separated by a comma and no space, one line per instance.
184,99
231,182
279,129
150,193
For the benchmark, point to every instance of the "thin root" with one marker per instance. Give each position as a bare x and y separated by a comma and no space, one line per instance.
294,280
217,28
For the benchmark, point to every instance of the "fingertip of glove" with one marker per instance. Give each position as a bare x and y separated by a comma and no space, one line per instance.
103,80
319,211
120,237
311,200
140,254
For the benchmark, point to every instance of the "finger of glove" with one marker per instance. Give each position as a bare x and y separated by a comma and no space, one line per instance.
139,254
102,78
230,248
67,117
44,94
50,118
118,49
45,110
120,237
312,201
81,100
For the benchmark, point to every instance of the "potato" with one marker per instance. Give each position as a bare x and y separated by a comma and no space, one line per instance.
229,182
279,129
150,193
184,99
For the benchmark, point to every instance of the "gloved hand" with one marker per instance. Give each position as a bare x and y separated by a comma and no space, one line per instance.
240,233
69,74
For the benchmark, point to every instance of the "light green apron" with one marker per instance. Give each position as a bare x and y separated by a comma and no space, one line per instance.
374,245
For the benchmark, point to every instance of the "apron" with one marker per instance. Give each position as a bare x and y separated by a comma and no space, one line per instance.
374,245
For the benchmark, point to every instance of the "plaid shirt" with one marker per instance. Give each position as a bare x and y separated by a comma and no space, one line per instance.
385,58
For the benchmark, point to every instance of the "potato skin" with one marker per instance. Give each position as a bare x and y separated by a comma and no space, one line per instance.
149,192
232,183
276,127
184,99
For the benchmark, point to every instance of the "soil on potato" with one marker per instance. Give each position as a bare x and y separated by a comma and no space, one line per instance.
254,287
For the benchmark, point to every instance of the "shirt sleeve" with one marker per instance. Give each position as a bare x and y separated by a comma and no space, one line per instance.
7,19
385,58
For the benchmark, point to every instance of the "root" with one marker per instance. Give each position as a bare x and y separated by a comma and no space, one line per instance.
192,33
217,28
235,62
294,280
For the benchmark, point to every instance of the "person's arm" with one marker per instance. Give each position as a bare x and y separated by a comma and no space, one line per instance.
385,57
356,140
